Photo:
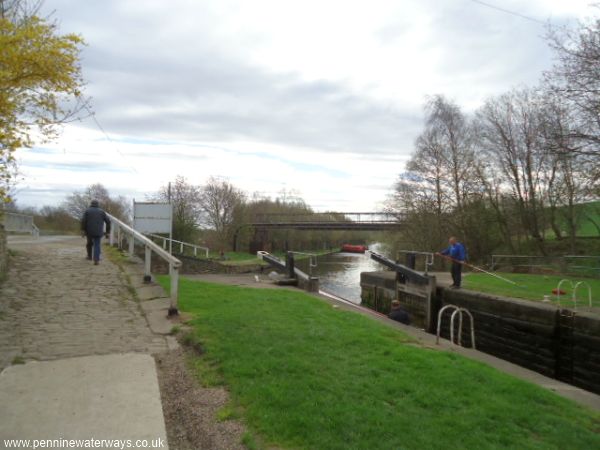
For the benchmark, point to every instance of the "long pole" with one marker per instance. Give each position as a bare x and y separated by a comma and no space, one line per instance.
477,268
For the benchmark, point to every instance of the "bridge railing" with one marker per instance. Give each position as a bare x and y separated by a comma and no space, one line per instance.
19,223
119,230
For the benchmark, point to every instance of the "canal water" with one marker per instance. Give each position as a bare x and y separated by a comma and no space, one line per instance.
339,273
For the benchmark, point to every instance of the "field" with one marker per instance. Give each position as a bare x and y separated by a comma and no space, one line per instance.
305,375
589,213
533,287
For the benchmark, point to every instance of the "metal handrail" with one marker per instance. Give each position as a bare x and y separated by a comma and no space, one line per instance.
429,257
181,244
149,247
457,310
584,283
558,290
312,260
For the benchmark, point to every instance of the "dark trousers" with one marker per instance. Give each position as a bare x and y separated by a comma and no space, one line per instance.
456,272
93,243
88,247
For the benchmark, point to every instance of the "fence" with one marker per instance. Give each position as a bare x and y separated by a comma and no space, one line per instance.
19,223
119,230
182,245
568,264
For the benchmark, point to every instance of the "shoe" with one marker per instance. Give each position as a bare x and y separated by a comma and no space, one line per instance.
96,263
454,287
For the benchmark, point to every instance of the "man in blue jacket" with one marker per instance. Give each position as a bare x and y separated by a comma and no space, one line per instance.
92,226
457,252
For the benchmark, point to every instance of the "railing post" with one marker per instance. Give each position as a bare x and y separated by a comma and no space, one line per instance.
289,263
131,244
174,271
111,235
147,264
195,251
181,248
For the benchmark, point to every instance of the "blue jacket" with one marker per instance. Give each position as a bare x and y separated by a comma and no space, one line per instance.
456,251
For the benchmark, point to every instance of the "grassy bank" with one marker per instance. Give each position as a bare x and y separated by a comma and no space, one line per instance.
533,287
306,375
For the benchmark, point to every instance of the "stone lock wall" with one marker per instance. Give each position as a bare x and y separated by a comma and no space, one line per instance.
378,289
559,343
562,344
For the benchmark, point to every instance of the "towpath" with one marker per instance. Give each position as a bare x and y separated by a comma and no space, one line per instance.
85,344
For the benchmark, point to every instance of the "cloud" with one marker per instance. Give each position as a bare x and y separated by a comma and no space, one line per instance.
323,97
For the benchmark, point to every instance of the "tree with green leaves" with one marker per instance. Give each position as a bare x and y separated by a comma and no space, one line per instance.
40,83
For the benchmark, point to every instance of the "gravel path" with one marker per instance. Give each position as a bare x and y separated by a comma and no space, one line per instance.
56,304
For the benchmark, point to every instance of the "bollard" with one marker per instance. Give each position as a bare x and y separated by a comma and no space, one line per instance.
289,264
411,260
174,291
147,265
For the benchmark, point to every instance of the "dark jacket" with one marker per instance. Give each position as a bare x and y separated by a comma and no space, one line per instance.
399,315
93,220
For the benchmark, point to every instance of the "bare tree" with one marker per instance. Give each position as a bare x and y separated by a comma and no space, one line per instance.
509,129
76,203
441,171
185,199
219,200
576,80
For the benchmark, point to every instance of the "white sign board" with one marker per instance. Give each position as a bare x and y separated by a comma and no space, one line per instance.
152,217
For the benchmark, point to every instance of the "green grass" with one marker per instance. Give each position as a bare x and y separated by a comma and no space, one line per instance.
533,287
585,227
306,375
18,360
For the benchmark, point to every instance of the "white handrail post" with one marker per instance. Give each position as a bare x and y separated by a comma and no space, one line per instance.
174,263
131,244
111,235
119,239
174,290
195,251
181,248
147,264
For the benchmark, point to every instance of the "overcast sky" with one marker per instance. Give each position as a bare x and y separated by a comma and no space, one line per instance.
319,97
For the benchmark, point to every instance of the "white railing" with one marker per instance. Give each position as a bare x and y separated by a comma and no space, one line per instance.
181,245
20,223
120,229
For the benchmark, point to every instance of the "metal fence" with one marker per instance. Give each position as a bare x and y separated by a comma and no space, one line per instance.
183,246
567,264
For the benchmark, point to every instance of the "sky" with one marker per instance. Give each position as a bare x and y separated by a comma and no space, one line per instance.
321,99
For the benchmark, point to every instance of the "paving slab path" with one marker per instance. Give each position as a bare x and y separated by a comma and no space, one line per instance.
56,304
86,345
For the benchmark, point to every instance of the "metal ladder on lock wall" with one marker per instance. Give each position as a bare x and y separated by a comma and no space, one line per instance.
457,310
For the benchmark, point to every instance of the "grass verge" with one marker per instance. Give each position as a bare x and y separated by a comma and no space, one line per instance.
533,287
306,375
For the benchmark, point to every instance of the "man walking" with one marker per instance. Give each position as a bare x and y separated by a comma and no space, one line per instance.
92,226
457,252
